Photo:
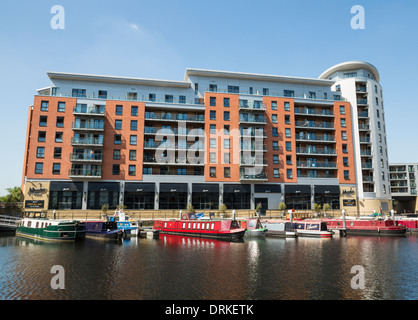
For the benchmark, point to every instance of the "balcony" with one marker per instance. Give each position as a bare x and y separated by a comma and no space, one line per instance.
253,177
366,153
175,131
254,147
313,175
253,162
316,165
315,138
314,112
251,119
168,116
252,105
361,89
315,125
89,126
172,171
253,133
83,110
361,101
368,179
364,139
363,114
151,160
94,142
167,145
315,151
367,166
85,173
86,157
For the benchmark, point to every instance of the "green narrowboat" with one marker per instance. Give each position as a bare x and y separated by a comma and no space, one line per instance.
51,229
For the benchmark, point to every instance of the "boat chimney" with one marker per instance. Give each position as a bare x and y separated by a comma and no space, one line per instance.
181,211
344,225
233,214
290,216
392,213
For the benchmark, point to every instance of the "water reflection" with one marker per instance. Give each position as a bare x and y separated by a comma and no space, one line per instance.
182,268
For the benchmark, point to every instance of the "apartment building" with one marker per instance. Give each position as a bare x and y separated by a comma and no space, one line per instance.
403,187
216,137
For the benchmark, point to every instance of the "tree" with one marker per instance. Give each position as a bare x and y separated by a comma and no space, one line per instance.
282,206
317,207
12,199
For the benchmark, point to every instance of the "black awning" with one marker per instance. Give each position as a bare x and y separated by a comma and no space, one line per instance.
205,187
173,187
66,186
235,188
327,189
103,186
305,189
139,187
268,188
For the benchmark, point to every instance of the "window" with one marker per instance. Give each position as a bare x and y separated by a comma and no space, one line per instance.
276,173
61,106
226,102
213,115
102,94
288,159
116,169
212,172
274,105
132,170
265,91
119,110
275,159
44,105
40,152
212,101
212,143
381,150
378,125
289,93
134,125
275,132
287,132
132,96
151,97
57,152
289,173
132,155
226,116
60,122
56,168
227,143
343,123
287,106
118,124
41,136
288,146
275,145
213,88
58,137
79,93
117,139
233,89
132,140
169,98
43,121
54,91
287,119
345,150
134,111
377,101
116,154
226,129
212,157
378,113
182,99
345,161
227,158
39,168
346,175
344,135
227,172
312,95
342,109
274,118
212,129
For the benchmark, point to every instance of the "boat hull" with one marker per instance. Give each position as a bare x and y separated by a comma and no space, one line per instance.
256,233
221,236
373,227
55,233
281,234
105,236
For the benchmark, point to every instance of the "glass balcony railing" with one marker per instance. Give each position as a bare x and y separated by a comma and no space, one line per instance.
316,137
252,119
174,117
317,164
361,101
82,109
260,176
316,151
85,157
89,125
87,141
313,124
93,173
314,112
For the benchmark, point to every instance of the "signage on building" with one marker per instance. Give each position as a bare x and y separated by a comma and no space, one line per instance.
349,202
34,204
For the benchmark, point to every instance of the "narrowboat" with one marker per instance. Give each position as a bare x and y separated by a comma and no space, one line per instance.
277,228
253,226
129,227
411,225
375,227
312,228
52,230
103,230
190,226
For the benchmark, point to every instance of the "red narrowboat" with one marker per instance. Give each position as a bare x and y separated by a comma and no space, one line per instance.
411,225
189,226
375,227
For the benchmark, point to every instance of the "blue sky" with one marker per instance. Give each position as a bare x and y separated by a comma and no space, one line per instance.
161,38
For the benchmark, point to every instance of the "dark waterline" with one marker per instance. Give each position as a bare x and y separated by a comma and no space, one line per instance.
185,268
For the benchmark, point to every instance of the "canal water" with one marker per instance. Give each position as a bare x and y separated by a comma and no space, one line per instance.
186,268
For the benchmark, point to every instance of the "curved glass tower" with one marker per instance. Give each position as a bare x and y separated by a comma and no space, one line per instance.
359,84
